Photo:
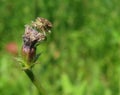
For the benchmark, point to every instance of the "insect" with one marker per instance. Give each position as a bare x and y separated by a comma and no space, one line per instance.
42,24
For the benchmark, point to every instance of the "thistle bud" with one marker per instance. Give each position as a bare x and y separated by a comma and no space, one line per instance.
32,38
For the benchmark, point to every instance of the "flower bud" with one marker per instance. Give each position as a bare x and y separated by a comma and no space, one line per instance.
28,53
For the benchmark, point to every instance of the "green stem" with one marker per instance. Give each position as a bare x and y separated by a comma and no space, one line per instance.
35,81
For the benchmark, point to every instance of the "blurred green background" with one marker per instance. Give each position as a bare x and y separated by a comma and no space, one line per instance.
81,55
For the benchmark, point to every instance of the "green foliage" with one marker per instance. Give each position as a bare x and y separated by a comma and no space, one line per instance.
82,55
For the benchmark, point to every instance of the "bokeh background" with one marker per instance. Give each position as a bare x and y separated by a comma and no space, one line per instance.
81,55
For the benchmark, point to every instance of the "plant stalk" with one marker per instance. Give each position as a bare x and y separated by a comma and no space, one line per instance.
35,81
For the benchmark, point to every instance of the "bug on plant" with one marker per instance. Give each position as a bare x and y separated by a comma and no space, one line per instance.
42,24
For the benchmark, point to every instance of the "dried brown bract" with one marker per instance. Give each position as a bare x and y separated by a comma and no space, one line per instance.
42,24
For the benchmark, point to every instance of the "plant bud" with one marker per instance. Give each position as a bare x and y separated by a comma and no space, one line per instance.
28,53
